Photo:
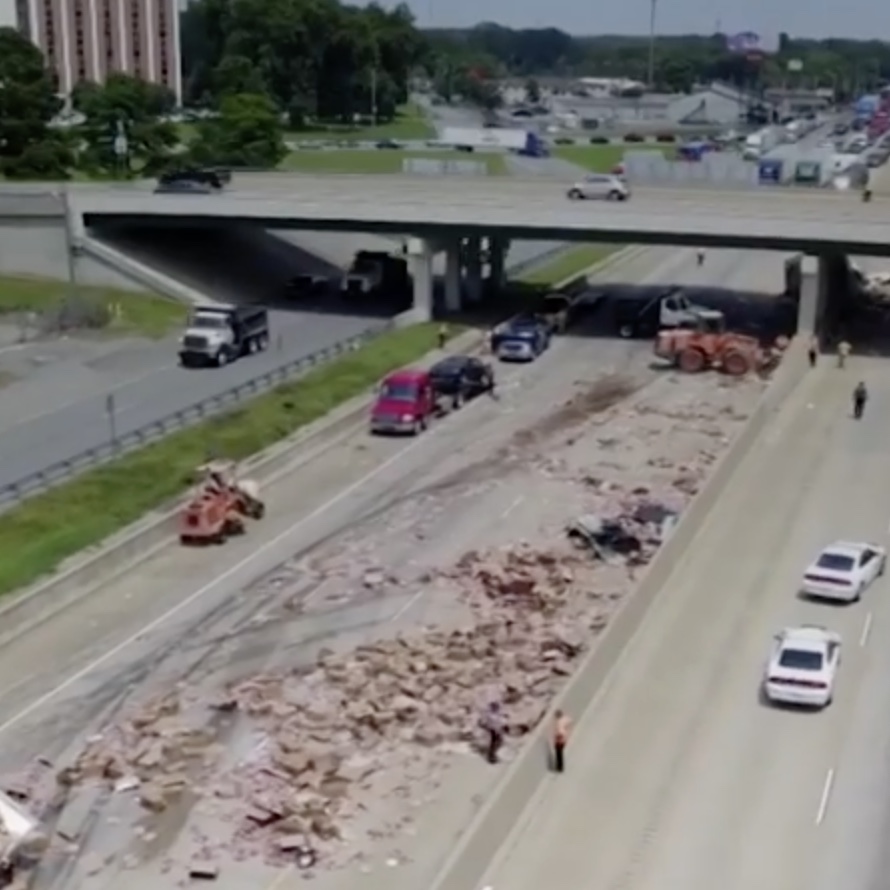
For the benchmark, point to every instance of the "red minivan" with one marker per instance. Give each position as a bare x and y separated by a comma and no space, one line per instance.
404,403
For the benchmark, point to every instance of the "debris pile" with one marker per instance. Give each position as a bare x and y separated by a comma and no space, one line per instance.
156,752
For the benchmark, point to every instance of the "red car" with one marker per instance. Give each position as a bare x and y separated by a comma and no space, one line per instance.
405,402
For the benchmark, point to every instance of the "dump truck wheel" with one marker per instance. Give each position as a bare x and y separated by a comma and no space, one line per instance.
736,364
692,361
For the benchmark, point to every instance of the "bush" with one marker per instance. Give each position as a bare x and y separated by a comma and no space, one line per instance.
665,137
599,140
634,137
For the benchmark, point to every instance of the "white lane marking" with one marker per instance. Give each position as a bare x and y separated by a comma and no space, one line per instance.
210,586
516,503
407,606
826,796
866,630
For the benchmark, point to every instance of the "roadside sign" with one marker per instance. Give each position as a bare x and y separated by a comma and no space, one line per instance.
769,172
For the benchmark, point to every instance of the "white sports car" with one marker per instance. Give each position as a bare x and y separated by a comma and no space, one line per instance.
843,570
803,666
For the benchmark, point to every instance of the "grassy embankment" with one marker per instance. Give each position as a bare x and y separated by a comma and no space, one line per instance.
126,312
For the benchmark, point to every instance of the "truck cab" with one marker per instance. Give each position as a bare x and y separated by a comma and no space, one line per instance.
217,335
405,403
646,317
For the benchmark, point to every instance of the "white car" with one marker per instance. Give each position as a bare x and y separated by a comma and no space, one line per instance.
843,570
803,666
600,185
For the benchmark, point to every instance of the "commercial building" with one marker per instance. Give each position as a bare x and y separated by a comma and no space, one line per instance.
90,39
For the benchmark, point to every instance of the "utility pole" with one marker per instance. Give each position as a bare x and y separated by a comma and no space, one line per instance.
651,73
374,94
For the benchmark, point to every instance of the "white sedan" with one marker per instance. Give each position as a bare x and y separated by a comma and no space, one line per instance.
843,570
803,666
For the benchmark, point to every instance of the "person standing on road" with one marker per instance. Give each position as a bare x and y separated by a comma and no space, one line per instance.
700,256
492,722
843,353
561,728
860,397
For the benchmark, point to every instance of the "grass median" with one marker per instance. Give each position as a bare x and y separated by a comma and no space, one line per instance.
574,262
38,535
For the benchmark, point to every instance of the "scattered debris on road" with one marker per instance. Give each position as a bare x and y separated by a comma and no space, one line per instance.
335,757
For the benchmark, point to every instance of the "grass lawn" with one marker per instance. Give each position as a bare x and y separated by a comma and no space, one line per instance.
379,160
598,158
410,123
145,314
570,264
39,534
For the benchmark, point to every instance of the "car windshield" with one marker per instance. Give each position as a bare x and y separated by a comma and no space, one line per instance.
836,562
208,321
399,392
801,659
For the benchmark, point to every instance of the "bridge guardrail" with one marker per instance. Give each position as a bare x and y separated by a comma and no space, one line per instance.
63,470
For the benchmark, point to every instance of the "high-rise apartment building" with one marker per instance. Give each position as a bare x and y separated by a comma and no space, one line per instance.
90,39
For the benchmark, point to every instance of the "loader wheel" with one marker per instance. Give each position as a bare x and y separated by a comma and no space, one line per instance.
259,511
692,361
736,364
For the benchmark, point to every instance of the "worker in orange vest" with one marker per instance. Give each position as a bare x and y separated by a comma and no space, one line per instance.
561,727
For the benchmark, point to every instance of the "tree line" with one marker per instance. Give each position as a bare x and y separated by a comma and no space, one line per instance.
849,67
259,68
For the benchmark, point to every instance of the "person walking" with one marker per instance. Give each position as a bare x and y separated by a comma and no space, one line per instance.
561,728
843,353
492,722
813,351
860,397
700,256
442,335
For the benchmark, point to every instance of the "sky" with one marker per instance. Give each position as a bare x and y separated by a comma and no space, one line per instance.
865,19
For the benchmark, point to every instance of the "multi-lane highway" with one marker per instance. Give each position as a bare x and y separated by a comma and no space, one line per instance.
143,631
679,777
41,422
762,218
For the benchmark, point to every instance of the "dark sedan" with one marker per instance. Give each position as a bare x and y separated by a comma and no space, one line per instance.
461,377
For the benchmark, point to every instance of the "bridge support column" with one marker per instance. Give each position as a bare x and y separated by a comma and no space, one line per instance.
474,269
814,282
453,281
497,255
420,253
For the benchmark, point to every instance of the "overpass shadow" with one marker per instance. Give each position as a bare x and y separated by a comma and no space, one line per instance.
240,265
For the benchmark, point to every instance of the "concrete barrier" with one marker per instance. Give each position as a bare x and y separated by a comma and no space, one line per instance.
466,865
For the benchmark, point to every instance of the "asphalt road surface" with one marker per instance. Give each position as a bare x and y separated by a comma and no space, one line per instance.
142,632
45,420
679,776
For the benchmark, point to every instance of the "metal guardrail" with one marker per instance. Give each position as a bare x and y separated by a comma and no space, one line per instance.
118,445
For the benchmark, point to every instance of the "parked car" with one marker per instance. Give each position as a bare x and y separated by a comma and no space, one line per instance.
405,403
521,339
461,377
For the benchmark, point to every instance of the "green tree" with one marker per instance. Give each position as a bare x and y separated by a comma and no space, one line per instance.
532,91
29,147
247,133
129,113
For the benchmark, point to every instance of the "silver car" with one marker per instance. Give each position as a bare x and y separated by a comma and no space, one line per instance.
599,186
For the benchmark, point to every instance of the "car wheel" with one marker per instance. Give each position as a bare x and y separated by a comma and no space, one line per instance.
221,358
626,331
858,595
883,567
615,196
575,195
262,342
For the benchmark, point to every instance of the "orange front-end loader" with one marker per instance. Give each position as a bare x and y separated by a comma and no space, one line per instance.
209,518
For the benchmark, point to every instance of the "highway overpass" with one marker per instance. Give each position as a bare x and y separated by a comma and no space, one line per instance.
449,214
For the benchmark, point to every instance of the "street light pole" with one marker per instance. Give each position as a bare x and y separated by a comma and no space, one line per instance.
651,72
